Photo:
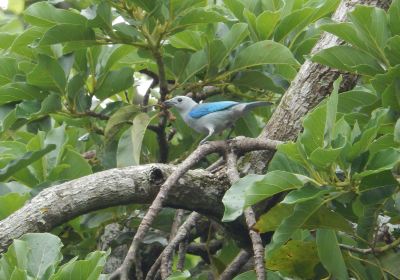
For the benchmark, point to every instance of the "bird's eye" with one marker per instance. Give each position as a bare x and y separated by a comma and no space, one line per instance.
179,99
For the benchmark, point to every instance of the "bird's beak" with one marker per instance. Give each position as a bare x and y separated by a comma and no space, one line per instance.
168,103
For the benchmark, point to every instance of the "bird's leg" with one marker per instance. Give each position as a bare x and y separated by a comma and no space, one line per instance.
210,133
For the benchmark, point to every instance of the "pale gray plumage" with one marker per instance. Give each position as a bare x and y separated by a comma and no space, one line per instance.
211,118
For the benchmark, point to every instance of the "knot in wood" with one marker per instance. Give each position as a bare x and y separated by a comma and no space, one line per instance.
156,176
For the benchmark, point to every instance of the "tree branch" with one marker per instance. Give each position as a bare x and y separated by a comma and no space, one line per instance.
376,250
258,248
234,267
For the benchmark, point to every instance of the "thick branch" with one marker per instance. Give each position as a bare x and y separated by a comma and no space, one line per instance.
234,267
198,191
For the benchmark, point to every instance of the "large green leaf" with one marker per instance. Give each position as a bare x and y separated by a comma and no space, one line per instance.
296,259
46,15
114,82
330,254
312,137
371,23
130,143
302,212
322,218
257,80
266,22
264,52
234,198
118,119
77,165
306,193
392,50
273,182
63,33
394,17
349,59
188,39
375,188
8,69
19,163
19,91
48,74
11,202
88,269
200,15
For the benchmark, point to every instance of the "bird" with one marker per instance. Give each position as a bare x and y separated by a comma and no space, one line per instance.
212,117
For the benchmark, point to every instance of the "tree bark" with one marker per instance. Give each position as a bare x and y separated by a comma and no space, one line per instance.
197,190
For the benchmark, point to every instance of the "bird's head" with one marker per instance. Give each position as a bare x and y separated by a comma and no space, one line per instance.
182,103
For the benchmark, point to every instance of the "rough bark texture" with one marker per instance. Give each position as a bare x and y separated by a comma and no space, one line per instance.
198,190
312,84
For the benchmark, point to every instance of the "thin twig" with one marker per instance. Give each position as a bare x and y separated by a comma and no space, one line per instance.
154,269
234,267
376,250
181,234
182,254
258,248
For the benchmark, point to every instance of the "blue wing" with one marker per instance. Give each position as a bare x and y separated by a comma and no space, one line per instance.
207,108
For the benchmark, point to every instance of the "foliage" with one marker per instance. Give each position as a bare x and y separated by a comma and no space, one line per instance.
80,88
38,256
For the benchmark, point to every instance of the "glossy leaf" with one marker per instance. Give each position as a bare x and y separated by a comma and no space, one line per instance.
305,193
349,59
23,161
330,254
114,82
62,33
375,188
234,198
11,202
273,182
264,52
19,91
46,15
118,119
296,259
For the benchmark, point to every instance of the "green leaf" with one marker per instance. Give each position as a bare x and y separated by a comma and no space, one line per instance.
353,100
234,198
67,33
200,15
331,110
392,50
264,52
11,202
8,70
394,17
305,193
312,137
235,36
330,254
21,162
296,259
273,218
302,212
375,188
78,166
236,7
197,62
88,269
372,23
290,22
266,22
118,119
349,59
177,275
323,158
19,91
188,39
130,144
48,74
273,182
114,82
397,131
46,15
256,79
322,218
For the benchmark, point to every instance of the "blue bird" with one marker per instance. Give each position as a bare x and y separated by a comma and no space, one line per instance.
213,117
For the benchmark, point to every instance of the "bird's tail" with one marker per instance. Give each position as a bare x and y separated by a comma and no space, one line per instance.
255,104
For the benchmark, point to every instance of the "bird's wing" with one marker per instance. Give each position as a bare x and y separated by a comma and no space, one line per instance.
207,108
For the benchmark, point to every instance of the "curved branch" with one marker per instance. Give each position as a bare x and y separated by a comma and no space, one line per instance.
198,190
